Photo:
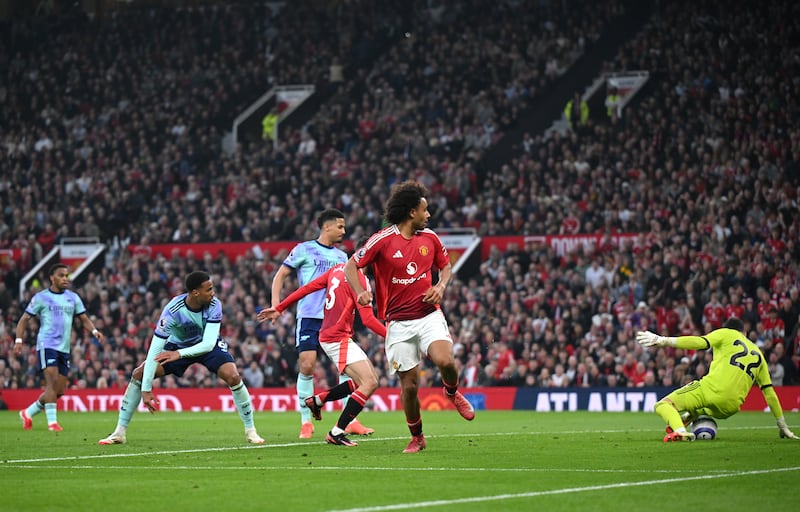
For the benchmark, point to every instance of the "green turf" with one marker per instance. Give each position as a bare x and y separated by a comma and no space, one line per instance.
502,461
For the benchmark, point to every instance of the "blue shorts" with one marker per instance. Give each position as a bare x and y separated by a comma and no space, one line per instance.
307,334
212,359
52,357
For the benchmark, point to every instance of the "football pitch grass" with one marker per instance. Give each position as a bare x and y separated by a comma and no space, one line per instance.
501,461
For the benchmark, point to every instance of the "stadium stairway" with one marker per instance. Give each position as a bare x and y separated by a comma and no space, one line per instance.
546,109
360,67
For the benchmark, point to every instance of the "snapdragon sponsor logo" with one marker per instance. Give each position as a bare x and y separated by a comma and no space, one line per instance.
408,280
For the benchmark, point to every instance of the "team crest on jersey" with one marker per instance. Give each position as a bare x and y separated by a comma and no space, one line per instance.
423,250
361,253
395,365
411,268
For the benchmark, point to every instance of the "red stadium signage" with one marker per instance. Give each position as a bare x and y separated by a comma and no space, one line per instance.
384,399
788,395
231,250
561,244
264,399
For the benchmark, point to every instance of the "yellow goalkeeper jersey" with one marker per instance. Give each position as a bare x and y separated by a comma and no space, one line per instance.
737,364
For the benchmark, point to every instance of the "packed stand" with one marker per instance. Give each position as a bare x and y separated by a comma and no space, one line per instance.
130,139
704,169
112,128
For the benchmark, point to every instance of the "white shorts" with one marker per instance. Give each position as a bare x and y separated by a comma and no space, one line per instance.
407,340
343,352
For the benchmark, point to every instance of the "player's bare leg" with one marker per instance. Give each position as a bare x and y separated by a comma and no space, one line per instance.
359,387
441,353
409,397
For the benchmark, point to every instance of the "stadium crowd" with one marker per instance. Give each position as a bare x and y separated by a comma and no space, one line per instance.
703,168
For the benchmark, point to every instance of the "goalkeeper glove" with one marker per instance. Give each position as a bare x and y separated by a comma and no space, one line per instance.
784,430
651,339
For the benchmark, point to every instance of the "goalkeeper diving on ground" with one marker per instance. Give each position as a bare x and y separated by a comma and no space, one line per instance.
738,364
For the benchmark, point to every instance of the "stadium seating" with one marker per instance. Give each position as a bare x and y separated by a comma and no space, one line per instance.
125,145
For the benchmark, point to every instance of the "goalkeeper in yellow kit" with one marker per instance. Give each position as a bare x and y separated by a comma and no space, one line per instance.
737,364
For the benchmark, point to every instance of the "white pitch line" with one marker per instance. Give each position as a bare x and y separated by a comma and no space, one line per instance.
7,463
360,468
502,497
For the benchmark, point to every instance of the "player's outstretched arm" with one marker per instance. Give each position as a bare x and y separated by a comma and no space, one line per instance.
150,365
370,322
277,283
270,314
651,339
775,408
274,312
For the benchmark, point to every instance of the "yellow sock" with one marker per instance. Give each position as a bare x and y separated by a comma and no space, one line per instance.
670,415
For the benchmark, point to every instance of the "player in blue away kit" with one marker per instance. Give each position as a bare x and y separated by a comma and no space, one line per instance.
310,260
56,308
187,332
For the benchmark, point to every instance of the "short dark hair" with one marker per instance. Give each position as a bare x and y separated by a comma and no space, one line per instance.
195,280
734,323
329,215
405,196
55,266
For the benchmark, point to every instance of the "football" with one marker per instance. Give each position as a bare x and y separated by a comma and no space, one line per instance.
704,428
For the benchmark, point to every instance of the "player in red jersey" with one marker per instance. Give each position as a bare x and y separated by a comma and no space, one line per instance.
336,339
403,257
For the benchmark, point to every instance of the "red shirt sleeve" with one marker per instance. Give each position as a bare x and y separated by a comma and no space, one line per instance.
369,320
310,287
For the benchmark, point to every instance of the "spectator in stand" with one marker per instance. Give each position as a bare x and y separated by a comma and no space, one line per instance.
776,371
791,375
253,375
596,275
576,112
773,327
713,313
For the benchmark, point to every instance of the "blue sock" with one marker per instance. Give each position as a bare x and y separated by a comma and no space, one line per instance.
241,397
130,402
35,408
305,389
51,412
344,378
